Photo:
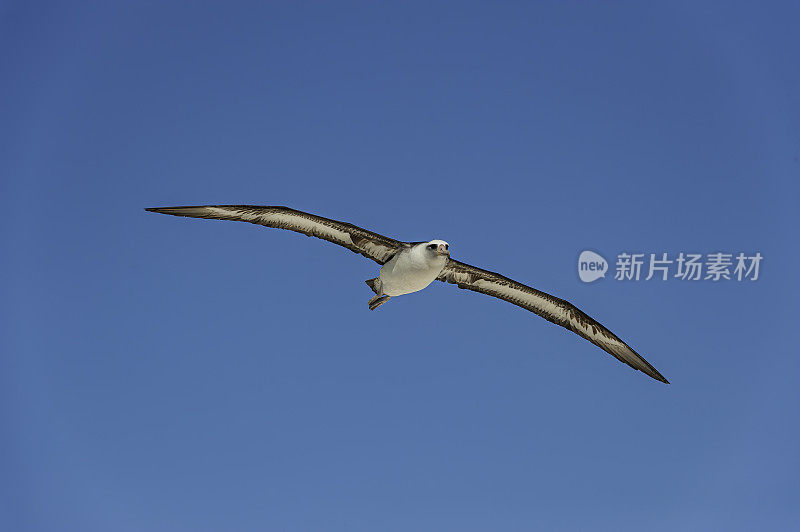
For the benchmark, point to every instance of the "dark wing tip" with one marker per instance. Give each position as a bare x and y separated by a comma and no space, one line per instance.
645,367
639,363
657,376
649,370
175,211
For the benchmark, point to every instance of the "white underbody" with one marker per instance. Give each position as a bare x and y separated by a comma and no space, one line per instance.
410,271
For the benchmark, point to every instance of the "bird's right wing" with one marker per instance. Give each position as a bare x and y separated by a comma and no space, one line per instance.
549,307
372,245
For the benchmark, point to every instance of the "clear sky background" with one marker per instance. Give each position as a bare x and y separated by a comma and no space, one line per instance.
166,374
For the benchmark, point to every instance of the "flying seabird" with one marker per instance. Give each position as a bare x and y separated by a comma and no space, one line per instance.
408,267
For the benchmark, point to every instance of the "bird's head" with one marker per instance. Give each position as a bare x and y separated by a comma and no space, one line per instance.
438,247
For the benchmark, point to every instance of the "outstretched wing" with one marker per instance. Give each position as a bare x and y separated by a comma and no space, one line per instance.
372,245
549,307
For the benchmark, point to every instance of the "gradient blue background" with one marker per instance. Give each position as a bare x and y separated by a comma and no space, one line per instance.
170,374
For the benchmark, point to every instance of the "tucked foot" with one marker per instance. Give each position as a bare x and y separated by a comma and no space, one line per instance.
377,301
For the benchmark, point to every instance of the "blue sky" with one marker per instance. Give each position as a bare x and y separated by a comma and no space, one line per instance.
169,374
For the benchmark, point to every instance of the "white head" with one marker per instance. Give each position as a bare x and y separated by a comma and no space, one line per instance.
438,248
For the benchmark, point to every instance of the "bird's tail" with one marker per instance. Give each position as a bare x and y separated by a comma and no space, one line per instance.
374,284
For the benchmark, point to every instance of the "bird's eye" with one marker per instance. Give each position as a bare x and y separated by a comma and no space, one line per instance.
432,246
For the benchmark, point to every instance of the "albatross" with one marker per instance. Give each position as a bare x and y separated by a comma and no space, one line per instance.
408,267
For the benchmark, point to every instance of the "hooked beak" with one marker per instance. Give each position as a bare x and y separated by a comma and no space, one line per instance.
441,250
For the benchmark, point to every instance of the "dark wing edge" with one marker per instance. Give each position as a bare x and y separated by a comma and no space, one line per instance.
371,245
549,307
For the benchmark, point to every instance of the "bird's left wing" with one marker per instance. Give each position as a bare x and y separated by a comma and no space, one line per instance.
549,307
372,245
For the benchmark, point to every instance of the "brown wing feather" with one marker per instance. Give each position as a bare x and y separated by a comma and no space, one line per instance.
549,307
372,245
